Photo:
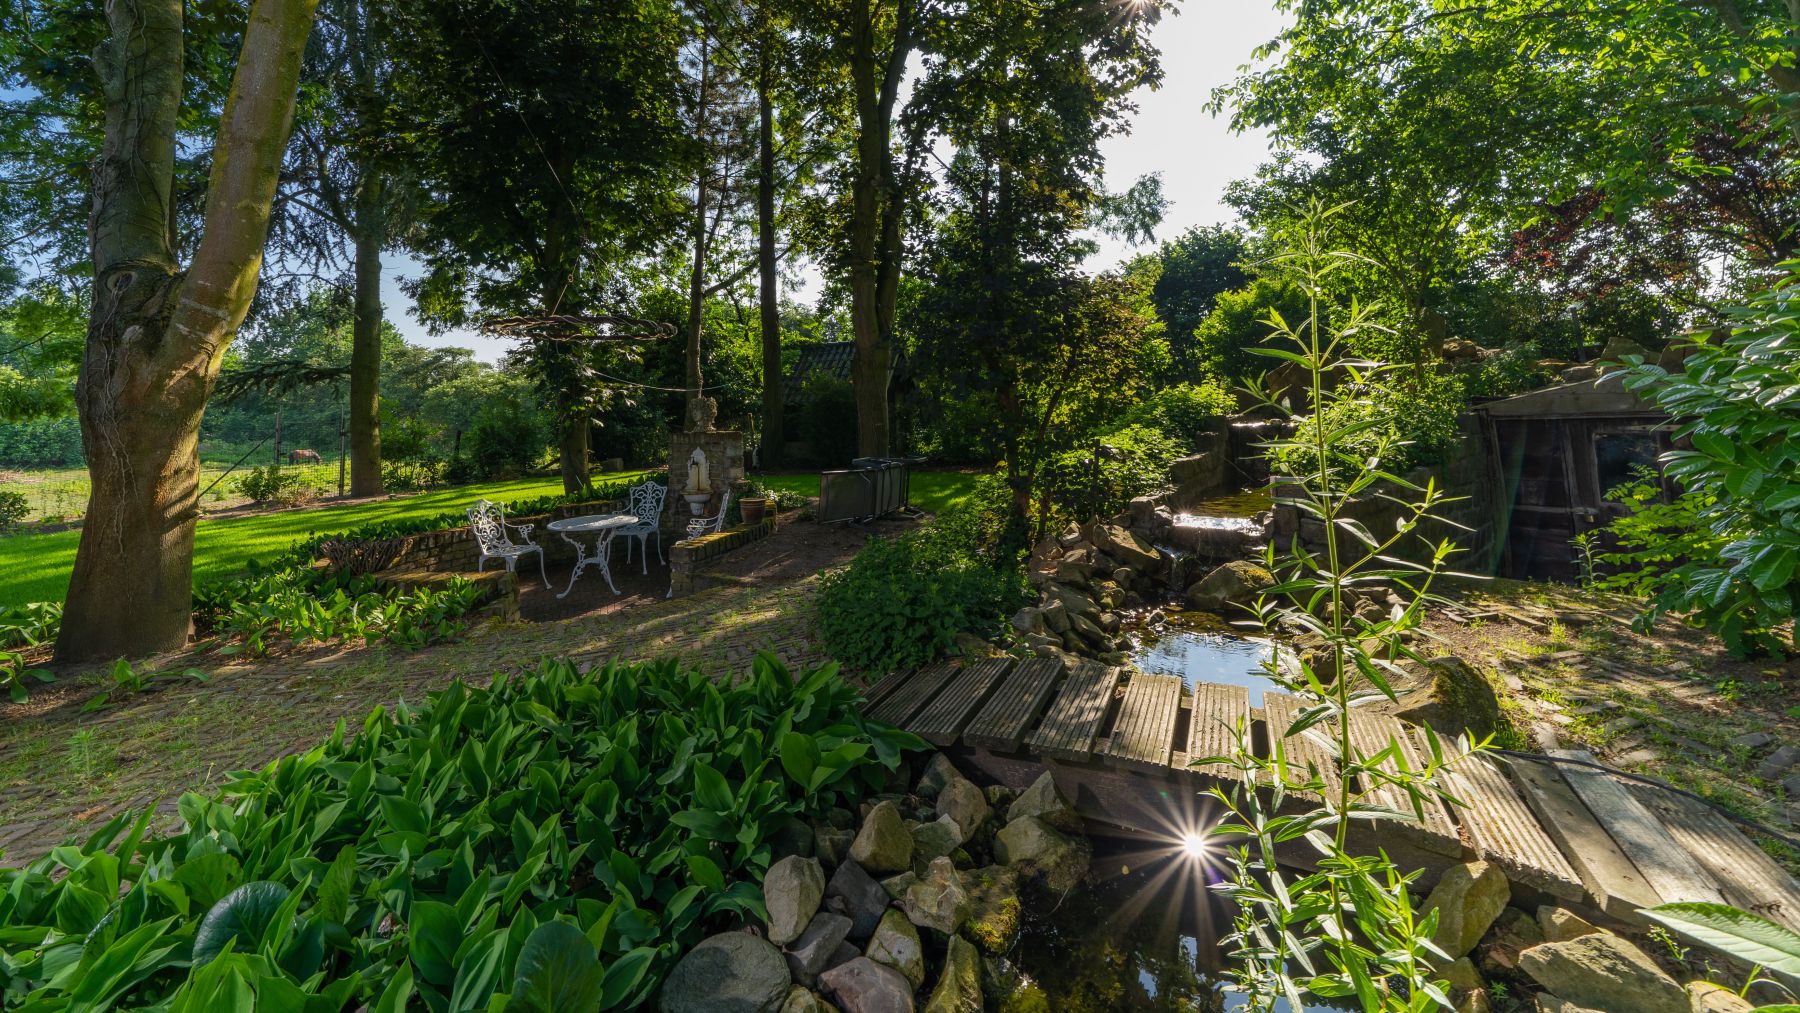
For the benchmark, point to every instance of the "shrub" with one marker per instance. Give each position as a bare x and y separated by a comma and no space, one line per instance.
273,485
443,857
902,600
14,508
828,420
41,443
1510,371
506,440
413,475
1239,323
311,606
1102,479
1181,410
1405,418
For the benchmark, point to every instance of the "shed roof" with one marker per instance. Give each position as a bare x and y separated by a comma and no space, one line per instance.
1605,397
830,358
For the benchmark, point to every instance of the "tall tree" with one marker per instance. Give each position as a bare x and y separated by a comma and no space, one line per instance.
1193,270
157,331
552,143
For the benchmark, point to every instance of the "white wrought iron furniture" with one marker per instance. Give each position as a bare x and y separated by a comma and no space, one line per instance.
711,525
488,520
603,527
645,502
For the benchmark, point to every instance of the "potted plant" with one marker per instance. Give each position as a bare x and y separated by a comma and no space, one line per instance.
753,508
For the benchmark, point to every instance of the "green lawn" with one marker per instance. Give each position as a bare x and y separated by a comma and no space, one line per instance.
36,567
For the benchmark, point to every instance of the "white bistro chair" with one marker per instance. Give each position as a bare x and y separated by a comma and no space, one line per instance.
488,520
645,503
710,525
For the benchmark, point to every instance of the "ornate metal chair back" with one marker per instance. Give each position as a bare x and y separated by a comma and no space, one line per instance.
646,501
487,520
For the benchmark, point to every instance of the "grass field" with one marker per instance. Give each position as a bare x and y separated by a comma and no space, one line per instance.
36,567
62,493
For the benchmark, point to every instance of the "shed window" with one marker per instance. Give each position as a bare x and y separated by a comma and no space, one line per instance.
1618,456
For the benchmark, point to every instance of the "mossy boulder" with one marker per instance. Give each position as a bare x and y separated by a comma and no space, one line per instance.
1457,699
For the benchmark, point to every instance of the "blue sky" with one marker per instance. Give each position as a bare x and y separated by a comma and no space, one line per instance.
1202,46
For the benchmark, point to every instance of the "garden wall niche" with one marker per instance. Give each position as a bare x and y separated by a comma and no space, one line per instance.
724,453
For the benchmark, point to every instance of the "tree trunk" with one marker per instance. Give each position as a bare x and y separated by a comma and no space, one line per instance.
696,376
769,308
576,432
365,347
156,335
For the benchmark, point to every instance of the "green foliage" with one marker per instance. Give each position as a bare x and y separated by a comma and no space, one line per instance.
902,600
1100,480
1751,938
1195,268
270,484
1406,418
14,508
1733,570
1226,340
1510,371
554,838
507,439
1346,932
25,626
41,443
828,420
412,474
1183,409
308,606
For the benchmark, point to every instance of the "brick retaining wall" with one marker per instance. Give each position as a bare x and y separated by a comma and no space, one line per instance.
690,557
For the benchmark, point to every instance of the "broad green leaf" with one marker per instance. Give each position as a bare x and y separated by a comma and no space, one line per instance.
1734,932
245,914
558,971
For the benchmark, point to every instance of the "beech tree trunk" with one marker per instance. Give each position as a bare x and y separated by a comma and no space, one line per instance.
156,334
365,346
773,435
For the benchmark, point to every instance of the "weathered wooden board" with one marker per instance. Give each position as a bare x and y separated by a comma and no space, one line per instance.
910,696
1075,717
1748,877
1304,751
1502,829
1613,883
1674,874
885,686
1371,734
1212,729
1144,734
1002,723
950,711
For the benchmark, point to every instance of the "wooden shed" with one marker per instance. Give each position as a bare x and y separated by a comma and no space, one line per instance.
1554,453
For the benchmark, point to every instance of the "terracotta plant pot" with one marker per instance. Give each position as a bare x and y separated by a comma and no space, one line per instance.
753,509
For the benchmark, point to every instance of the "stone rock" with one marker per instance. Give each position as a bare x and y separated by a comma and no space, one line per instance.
1234,582
935,839
973,646
938,900
1042,850
863,986
792,890
1707,997
999,796
1459,699
994,908
1475,1002
1605,973
1617,347
1126,547
964,803
1087,629
959,986
1028,620
896,886
812,952
896,944
792,837
1580,373
863,899
801,999
733,972
1467,899
1514,933
883,844
1074,603
1462,975
1073,572
939,771
1561,925
1056,616
832,844
1557,1004
1045,801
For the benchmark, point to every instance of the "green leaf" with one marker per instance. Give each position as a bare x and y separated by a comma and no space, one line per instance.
434,932
558,971
799,756
1734,932
244,914
624,975
711,790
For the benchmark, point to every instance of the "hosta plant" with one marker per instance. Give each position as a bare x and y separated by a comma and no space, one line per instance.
551,841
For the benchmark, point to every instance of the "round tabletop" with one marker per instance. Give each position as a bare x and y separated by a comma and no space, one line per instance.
592,522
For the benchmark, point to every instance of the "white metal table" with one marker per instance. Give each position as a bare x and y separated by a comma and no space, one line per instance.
602,527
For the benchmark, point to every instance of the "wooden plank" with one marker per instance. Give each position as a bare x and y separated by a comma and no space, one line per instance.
1305,750
1370,734
1144,735
1076,714
885,686
1748,877
1612,882
1502,829
945,717
1002,724
1212,730
911,696
1673,873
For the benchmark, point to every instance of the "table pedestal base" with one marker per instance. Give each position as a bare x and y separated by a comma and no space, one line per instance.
599,557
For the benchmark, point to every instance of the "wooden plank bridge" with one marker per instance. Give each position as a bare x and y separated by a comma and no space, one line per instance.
1122,745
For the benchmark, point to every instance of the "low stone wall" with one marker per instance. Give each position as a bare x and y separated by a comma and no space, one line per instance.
500,589
691,558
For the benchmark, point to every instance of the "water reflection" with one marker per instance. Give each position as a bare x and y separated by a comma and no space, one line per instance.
1203,653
